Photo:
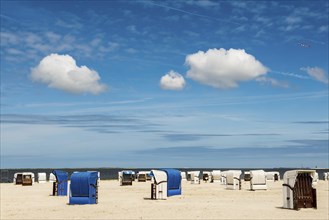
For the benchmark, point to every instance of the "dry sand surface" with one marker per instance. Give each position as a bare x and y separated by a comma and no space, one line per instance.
204,201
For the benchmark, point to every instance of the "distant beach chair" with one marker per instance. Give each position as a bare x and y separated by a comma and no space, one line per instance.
206,176
223,177
27,179
126,177
298,191
183,175
84,188
233,180
216,176
166,182
258,180
246,176
273,176
148,176
142,176
42,177
194,176
60,185
18,178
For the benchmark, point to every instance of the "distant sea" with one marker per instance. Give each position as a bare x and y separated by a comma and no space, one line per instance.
7,175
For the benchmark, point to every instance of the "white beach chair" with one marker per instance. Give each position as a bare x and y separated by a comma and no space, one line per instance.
206,176
194,176
223,177
18,178
183,175
273,176
216,176
258,180
233,180
126,177
159,185
42,177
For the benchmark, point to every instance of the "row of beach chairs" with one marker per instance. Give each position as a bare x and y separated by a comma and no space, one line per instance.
83,185
298,185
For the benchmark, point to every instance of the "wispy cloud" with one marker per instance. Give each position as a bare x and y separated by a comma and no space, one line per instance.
193,13
272,82
192,137
317,74
312,122
289,74
297,148
96,122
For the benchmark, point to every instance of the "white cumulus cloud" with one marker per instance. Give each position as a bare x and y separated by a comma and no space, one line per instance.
61,72
222,68
172,81
316,73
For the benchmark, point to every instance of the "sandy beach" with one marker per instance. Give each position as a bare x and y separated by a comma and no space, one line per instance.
202,201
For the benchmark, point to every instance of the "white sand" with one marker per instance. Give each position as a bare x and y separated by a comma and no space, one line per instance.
204,201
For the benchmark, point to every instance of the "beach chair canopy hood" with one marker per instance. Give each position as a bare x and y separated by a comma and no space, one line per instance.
159,176
61,175
174,180
128,172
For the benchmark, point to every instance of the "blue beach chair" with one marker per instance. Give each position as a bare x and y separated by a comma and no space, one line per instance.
60,186
84,188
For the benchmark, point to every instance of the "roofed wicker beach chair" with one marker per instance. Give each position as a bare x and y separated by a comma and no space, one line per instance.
298,191
27,179
233,180
84,188
60,185
216,176
166,182
126,177
42,177
258,180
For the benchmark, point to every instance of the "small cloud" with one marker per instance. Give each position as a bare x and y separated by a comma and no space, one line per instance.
273,82
222,68
61,72
323,28
293,20
316,73
132,28
131,50
172,81
203,3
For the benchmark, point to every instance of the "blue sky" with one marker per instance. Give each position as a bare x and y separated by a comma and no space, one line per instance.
164,83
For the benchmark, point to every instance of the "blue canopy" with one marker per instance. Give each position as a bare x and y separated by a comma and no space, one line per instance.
83,187
128,172
61,179
174,180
